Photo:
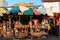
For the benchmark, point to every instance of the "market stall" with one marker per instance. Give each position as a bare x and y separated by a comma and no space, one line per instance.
20,30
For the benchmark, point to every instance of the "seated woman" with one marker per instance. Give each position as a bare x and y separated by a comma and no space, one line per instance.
44,27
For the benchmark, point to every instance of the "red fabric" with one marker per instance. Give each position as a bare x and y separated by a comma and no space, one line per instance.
58,15
36,12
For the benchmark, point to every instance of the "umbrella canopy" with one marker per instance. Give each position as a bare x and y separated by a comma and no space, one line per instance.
9,9
36,12
3,10
42,11
29,12
49,12
23,8
15,9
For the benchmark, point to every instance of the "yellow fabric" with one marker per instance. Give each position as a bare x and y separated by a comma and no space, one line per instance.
49,27
3,10
56,12
20,13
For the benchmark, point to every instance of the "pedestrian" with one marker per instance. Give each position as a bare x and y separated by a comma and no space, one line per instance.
52,30
58,27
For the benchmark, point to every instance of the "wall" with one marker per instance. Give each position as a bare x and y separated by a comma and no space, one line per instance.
53,5
3,3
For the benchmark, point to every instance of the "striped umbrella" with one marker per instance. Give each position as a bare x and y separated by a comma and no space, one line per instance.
29,12
23,8
36,12
42,11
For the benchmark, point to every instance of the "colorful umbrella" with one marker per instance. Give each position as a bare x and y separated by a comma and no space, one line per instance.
36,12
29,12
23,8
42,11
9,9
3,10
15,9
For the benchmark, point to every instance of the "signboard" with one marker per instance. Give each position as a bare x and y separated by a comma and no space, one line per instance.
54,6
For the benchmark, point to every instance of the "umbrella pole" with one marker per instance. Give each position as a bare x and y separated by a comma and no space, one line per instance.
13,28
30,25
19,19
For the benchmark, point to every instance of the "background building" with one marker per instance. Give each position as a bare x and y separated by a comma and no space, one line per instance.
24,4
3,3
50,0
54,5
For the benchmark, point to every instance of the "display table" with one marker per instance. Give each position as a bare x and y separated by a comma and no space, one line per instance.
36,34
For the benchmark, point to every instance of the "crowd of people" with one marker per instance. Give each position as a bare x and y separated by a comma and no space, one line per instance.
29,26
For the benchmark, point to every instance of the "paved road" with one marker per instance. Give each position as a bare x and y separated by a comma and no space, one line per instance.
49,38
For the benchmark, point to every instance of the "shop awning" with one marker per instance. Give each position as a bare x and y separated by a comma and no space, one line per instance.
29,12
36,12
15,9
42,11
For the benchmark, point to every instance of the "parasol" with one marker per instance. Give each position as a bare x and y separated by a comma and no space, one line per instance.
42,11
36,12
29,12
15,9
3,10
23,8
